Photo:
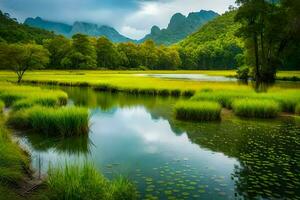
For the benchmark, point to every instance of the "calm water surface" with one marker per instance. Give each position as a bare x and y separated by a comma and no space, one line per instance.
138,137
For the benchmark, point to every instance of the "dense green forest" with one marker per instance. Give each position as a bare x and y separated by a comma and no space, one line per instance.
219,44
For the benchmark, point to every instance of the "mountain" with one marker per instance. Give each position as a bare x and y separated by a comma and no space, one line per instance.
78,27
215,45
180,27
11,31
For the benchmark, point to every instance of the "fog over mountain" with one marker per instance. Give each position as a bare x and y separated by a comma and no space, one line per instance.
131,18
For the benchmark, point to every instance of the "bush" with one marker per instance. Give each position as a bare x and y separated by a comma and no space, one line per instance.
67,121
85,182
198,111
260,108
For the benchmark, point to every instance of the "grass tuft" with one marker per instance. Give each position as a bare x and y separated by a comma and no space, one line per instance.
85,182
198,111
260,108
67,121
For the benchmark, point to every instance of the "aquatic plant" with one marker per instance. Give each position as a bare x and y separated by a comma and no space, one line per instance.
85,182
261,108
66,121
200,110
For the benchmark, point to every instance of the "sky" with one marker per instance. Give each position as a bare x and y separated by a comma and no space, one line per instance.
132,18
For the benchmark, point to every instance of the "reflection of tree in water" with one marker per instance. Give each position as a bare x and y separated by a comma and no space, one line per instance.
269,154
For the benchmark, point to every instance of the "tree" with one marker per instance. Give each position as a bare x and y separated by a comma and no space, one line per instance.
83,53
23,57
107,55
59,47
268,27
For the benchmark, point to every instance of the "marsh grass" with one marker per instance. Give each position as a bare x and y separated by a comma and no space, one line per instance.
198,111
66,121
259,108
78,181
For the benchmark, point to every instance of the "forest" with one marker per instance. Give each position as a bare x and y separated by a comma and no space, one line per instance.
223,43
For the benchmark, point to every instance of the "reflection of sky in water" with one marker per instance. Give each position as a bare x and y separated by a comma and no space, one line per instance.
196,77
128,140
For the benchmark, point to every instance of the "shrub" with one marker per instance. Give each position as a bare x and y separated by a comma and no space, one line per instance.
260,108
67,121
297,110
199,111
85,182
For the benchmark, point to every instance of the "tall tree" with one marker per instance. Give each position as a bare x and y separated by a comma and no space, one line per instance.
83,53
107,55
23,57
268,28
59,47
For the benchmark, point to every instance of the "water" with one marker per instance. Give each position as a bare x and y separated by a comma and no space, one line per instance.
138,137
194,77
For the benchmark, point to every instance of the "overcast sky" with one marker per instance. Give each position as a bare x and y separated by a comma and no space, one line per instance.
133,18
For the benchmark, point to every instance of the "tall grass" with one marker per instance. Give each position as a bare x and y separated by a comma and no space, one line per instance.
77,182
66,121
256,108
1,106
199,111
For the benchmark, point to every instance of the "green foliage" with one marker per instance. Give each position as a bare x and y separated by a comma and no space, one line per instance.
268,28
23,57
58,48
198,110
82,55
84,182
11,31
107,55
213,46
259,108
67,121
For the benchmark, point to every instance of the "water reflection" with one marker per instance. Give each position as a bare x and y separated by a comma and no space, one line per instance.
138,136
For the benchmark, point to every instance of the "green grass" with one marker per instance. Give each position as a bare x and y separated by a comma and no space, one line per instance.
297,110
27,96
198,111
256,108
66,121
79,182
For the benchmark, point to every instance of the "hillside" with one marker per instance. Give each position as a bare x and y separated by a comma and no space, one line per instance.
180,27
12,31
214,45
78,27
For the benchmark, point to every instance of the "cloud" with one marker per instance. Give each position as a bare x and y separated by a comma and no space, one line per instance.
132,18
